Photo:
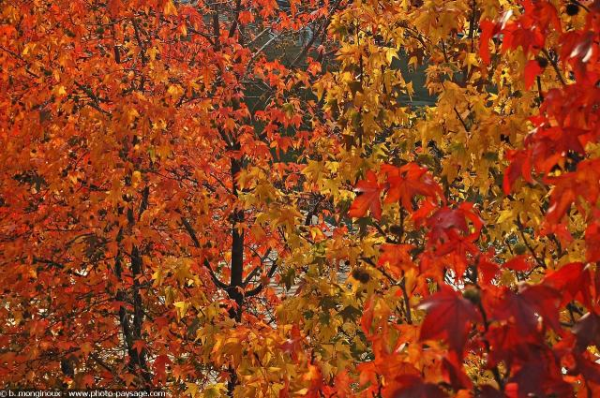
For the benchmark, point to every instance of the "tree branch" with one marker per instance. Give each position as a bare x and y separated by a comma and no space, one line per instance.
206,263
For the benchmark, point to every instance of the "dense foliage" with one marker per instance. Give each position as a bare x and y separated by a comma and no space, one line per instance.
240,198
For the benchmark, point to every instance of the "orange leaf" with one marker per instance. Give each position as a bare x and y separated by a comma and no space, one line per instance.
397,258
408,181
368,199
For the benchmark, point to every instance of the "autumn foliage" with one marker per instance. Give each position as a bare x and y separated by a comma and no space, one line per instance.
246,198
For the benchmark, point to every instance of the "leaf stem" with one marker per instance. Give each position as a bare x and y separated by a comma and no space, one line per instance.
554,66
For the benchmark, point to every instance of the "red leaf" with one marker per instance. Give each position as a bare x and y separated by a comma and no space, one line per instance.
583,183
520,166
532,70
160,365
447,223
524,307
488,29
139,346
587,331
592,239
509,344
539,377
590,371
449,317
560,231
454,373
545,301
574,281
422,214
487,391
518,263
89,380
414,387
487,269
368,198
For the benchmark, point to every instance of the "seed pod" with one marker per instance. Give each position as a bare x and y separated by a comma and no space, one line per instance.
520,248
572,9
361,275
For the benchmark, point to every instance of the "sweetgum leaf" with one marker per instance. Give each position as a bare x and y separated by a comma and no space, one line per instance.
449,317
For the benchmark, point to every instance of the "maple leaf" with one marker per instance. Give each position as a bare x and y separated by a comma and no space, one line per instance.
139,346
574,281
487,268
366,321
397,258
520,166
589,371
88,380
592,239
422,214
408,181
550,146
369,197
538,377
342,386
86,348
487,391
450,234
120,122
129,379
452,237
532,70
454,373
169,8
449,317
488,29
519,263
584,183
509,345
587,331
525,307
160,366
447,223
409,386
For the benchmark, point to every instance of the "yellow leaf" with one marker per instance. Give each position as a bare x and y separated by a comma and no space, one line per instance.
215,390
152,52
175,91
410,89
470,60
191,390
182,307
390,54
137,177
158,277
170,8
60,91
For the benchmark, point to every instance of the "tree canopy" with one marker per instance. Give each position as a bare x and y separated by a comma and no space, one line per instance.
243,197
